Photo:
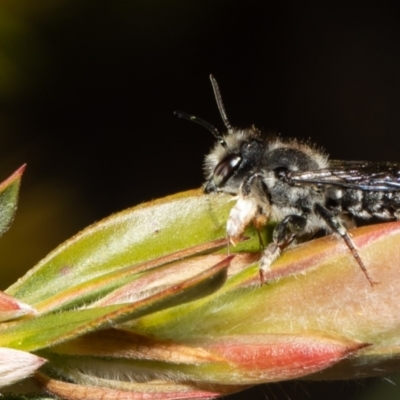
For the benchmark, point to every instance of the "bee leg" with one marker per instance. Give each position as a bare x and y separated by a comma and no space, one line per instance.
259,222
284,234
337,227
260,240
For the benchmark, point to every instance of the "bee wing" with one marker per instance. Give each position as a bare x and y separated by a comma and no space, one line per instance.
361,175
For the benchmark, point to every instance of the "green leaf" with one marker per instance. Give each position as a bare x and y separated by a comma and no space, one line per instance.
9,190
242,359
49,329
147,271
126,239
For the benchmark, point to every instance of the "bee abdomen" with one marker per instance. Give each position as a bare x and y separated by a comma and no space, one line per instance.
365,203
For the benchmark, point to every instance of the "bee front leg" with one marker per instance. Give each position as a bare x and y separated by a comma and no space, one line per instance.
284,234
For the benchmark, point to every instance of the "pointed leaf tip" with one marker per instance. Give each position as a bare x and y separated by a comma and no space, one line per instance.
9,190
16,365
11,308
271,358
16,175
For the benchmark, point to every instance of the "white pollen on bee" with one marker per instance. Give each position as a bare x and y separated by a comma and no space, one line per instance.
240,216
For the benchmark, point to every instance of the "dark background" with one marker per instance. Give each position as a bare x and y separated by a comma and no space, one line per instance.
88,89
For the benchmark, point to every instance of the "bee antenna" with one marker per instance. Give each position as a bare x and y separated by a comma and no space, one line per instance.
220,104
203,123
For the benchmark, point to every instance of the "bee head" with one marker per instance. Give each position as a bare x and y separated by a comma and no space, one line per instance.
225,168
233,153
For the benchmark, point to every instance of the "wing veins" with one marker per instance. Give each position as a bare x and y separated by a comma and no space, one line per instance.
359,175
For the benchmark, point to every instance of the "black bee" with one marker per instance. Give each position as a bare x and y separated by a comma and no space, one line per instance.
295,184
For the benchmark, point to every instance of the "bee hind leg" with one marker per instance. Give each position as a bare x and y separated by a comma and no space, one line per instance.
337,227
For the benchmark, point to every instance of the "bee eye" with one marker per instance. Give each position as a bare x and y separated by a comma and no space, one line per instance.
224,170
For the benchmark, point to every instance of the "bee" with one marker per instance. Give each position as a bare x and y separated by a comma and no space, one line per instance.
296,185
